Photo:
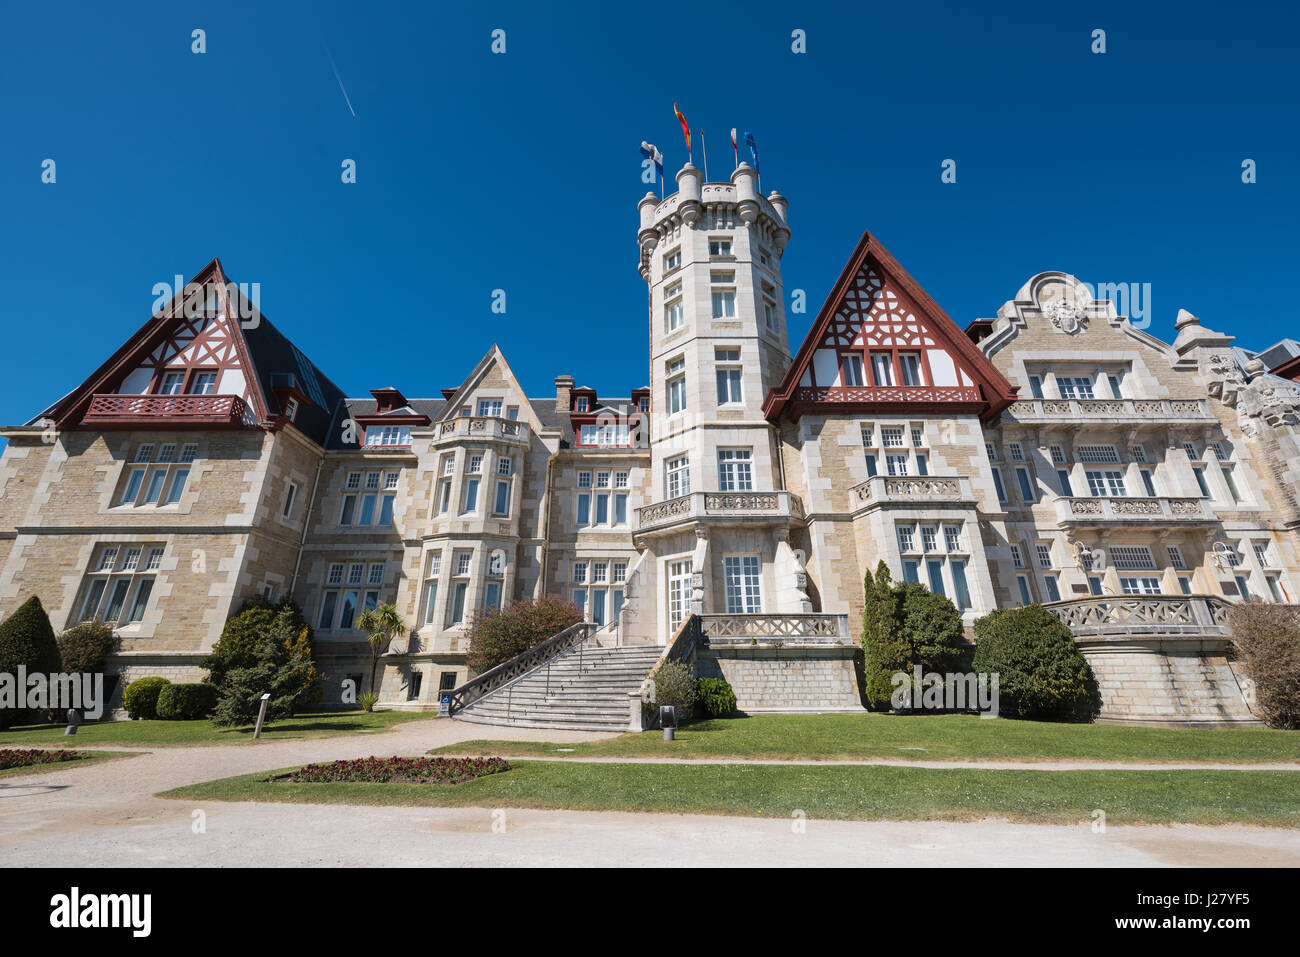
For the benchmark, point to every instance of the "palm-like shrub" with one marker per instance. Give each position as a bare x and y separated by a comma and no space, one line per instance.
381,625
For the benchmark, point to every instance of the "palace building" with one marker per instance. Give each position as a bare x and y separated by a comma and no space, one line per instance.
724,513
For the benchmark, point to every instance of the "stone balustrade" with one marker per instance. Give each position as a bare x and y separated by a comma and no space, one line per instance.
1133,510
1161,616
792,629
481,427
912,490
1137,411
753,507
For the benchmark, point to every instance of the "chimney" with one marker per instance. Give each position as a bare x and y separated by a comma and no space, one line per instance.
563,393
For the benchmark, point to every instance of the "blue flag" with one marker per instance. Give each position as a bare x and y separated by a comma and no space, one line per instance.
753,149
649,151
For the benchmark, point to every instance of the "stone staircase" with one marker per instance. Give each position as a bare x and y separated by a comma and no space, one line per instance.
584,689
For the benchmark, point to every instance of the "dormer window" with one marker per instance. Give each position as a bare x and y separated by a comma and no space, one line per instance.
388,436
172,383
291,409
489,408
580,404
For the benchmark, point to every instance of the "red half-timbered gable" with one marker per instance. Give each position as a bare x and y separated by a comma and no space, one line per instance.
189,365
881,345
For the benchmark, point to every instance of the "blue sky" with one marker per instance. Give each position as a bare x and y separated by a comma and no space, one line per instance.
520,171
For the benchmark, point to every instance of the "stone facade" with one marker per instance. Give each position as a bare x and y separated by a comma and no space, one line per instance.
1053,453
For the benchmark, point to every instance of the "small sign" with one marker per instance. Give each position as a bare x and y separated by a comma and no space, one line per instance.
444,704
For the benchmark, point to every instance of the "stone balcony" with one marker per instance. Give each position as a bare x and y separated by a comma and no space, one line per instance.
487,428
884,490
761,508
1130,510
1109,412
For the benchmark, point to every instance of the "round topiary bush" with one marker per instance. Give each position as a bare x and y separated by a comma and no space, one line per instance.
140,698
715,697
186,702
1041,672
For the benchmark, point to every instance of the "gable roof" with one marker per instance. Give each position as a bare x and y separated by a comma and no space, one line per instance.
245,339
876,303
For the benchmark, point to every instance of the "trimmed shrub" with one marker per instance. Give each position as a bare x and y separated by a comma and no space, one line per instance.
85,648
501,635
140,699
186,702
674,685
1041,672
1266,640
903,626
263,649
26,639
714,697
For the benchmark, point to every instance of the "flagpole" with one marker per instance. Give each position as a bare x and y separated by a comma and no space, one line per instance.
705,150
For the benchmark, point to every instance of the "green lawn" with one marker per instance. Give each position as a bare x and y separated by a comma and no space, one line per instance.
843,792
181,733
932,737
91,757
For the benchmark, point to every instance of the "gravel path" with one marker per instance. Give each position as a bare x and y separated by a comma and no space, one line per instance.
105,814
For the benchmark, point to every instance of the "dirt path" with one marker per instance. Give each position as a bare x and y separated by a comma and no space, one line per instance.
105,814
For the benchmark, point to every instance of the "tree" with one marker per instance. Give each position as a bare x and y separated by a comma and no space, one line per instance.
1266,640
903,626
264,650
85,648
26,640
1041,671
501,635
381,626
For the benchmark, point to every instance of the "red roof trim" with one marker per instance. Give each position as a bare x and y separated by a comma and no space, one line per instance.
997,392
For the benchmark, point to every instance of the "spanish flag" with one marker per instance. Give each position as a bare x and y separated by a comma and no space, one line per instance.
686,130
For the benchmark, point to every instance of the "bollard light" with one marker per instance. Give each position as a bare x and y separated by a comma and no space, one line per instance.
668,721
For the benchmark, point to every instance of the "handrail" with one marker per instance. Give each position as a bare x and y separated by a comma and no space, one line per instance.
520,665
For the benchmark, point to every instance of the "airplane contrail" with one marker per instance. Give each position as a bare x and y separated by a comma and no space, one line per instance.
346,98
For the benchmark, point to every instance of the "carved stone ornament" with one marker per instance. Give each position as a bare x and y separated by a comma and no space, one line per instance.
1066,315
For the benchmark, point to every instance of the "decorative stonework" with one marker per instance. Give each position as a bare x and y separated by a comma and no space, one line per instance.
1066,315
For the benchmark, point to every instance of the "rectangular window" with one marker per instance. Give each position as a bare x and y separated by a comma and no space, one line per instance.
386,509
501,505
676,386
1043,551
204,383
734,470
1017,451
952,538
729,385
719,247
1148,482
1230,477
934,571
679,593
909,364
1132,557
674,311
492,596
678,477
907,538
742,573
584,508
1199,472
929,538
172,383
961,592
348,616
1094,585
132,491
1063,479
1075,387
1176,557
1106,484
1053,589
1036,386
998,486
1026,485
724,304
1017,559
882,368
287,511
489,408
1022,582
327,607
1139,586
896,464
471,495
458,593
1097,454
911,573
156,479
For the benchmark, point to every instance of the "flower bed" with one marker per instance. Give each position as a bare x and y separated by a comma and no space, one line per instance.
395,770
27,757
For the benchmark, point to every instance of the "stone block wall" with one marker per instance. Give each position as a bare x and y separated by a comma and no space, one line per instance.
770,679
1172,683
